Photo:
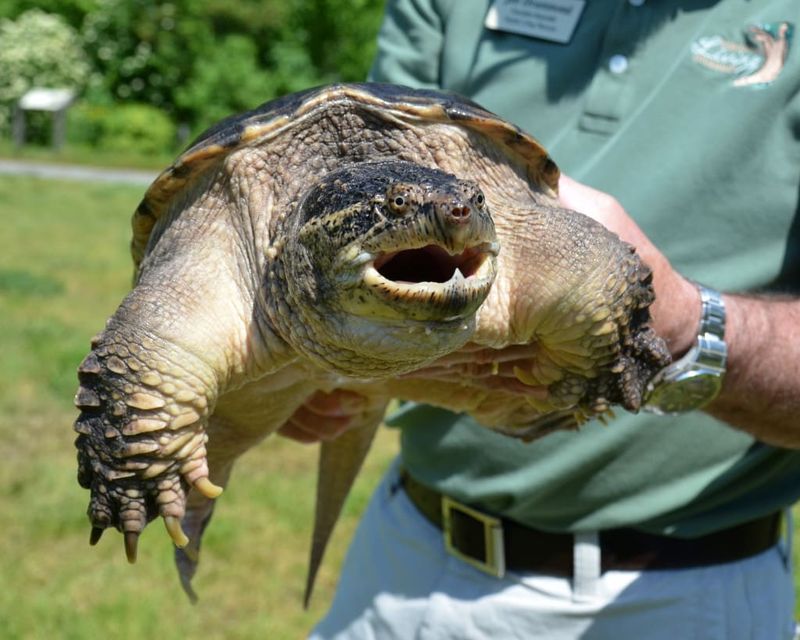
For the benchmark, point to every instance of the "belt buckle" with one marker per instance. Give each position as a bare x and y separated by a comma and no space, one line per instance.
495,563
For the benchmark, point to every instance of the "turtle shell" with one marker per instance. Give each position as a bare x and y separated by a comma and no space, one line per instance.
391,103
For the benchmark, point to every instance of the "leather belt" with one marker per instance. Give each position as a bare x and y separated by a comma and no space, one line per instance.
495,544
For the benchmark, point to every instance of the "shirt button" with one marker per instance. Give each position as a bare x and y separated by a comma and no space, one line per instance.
618,64
636,3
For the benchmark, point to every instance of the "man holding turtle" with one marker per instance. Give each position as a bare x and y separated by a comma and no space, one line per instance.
655,526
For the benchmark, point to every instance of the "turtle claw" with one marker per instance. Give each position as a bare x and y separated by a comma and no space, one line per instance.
131,545
207,488
95,535
175,531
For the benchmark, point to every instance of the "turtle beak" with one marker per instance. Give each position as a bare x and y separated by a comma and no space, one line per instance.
430,284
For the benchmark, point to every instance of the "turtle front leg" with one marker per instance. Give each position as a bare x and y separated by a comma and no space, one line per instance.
582,296
142,439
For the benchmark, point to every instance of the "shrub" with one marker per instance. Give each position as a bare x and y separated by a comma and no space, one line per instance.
196,61
38,50
143,50
138,127
127,128
200,61
85,124
73,11
226,81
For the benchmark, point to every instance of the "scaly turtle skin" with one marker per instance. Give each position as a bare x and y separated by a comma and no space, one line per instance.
339,238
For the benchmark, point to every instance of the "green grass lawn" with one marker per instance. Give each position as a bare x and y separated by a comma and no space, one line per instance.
64,267
74,154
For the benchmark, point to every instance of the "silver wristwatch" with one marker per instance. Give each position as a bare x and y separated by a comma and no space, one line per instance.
695,380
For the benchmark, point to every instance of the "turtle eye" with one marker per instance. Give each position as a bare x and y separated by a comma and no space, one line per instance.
480,200
399,200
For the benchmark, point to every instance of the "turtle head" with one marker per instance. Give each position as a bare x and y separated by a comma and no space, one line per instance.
388,264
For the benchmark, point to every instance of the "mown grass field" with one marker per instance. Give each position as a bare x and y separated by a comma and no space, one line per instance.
64,267
74,154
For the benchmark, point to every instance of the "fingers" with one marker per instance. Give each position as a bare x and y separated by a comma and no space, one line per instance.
472,354
513,385
506,379
474,370
325,416
308,427
298,434
486,369
338,403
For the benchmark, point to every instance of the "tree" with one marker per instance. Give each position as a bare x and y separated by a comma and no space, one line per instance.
200,61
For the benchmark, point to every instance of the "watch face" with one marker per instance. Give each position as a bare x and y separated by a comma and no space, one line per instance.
691,391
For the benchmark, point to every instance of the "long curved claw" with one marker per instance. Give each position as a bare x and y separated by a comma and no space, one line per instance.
175,531
95,535
207,488
131,545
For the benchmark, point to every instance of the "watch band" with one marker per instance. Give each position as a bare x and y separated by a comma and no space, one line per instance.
712,314
695,379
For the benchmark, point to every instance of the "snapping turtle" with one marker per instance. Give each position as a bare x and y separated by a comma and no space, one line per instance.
339,238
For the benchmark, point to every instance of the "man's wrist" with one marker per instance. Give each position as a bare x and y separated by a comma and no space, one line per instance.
695,379
676,315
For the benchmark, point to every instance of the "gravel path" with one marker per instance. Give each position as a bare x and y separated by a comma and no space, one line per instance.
73,172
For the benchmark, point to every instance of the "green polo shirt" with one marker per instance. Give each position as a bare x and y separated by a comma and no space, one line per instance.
675,109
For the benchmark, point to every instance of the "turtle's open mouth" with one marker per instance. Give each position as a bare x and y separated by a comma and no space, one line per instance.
430,283
429,264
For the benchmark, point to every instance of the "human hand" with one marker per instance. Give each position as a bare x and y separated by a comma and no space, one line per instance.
325,416
487,369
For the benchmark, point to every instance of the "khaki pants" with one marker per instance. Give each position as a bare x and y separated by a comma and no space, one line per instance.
398,582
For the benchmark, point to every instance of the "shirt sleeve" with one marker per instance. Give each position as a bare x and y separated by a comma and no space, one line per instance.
409,44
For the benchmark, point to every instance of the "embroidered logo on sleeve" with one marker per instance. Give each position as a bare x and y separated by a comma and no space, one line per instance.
755,62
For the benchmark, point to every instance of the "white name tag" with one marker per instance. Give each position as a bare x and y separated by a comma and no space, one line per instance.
553,20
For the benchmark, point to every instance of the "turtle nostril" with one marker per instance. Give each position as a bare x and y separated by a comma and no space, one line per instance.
460,213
